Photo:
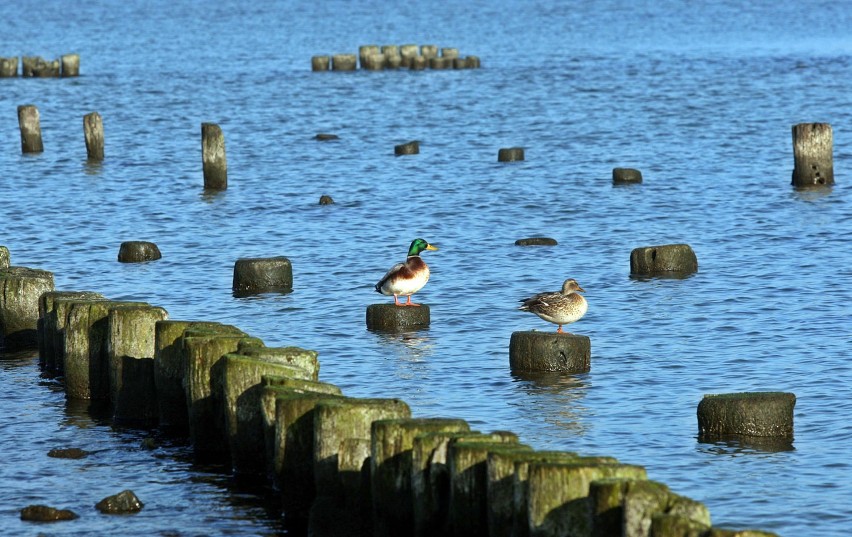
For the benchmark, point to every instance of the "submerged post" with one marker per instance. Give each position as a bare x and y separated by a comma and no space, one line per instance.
812,159
213,157
28,121
93,130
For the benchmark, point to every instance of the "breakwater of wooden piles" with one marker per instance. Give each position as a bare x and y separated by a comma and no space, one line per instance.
341,465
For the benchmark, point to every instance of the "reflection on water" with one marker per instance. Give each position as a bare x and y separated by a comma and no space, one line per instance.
554,398
410,350
743,445
811,193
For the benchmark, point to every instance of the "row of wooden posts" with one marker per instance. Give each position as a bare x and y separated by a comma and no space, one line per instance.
413,57
342,465
67,65
813,161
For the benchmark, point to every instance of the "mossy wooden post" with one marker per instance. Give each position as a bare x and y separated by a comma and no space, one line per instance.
391,469
295,356
341,420
500,487
57,318
428,51
673,260
344,62
9,67
408,148
130,354
407,52
138,252
20,290
325,199
520,486
320,63
418,63
203,351
86,360
373,62
36,66
536,241
70,65
364,53
47,327
242,387
558,495
262,275
93,132
626,176
758,414
510,154
214,162
292,441
392,318
28,121
468,464
439,63
550,351
813,162
5,257
627,507
274,386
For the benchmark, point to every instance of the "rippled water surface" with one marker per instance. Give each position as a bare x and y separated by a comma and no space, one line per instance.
701,98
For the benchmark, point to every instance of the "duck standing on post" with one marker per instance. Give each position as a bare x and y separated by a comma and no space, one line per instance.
407,278
562,307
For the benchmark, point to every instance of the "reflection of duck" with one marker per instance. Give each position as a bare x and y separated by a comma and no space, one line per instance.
407,278
562,307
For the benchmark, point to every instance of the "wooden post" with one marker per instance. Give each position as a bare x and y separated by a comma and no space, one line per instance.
9,67
408,148
20,290
550,351
320,63
626,176
70,65
672,260
344,62
510,154
93,130
213,157
138,252
262,275
28,120
746,414
812,158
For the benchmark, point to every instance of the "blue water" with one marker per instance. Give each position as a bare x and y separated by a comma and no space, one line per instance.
699,96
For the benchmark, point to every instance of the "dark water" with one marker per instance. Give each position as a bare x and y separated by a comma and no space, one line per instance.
700,97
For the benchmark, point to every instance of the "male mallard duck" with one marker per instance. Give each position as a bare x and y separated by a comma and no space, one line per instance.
562,307
407,278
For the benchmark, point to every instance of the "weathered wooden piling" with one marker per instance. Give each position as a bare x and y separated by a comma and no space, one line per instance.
449,52
138,252
320,63
392,318
326,200
550,351
291,441
28,121
262,275
391,469
626,176
341,462
468,464
326,137
673,260
520,486
759,414
627,507
500,487
536,241
130,349
53,309
242,388
5,257
9,67
418,63
36,66
169,369
86,359
70,65
20,289
364,53
813,162
295,356
214,161
373,62
275,386
407,52
408,148
344,62
428,51
203,351
510,154
439,63
558,495
93,131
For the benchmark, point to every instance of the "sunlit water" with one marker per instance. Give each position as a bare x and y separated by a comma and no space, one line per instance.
700,98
